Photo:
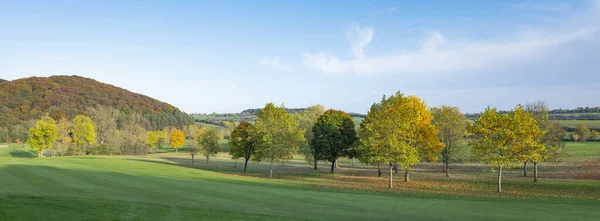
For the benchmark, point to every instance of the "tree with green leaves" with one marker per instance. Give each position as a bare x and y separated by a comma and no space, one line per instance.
502,139
307,119
208,140
334,135
398,131
82,131
277,135
43,135
242,143
582,132
452,127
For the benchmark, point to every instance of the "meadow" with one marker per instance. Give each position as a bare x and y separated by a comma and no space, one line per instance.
164,186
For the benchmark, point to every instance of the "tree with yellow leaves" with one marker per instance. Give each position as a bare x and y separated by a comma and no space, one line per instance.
504,140
398,130
177,139
43,135
83,131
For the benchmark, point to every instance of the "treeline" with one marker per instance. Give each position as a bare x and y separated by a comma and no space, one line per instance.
580,113
28,99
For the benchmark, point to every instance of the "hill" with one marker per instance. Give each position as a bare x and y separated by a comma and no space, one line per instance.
67,96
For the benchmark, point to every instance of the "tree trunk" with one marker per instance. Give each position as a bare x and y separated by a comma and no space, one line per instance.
207,159
525,168
316,163
444,166
500,179
271,173
447,168
391,176
192,160
176,150
353,162
378,170
333,166
282,163
406,178
534,171
235,163
246,165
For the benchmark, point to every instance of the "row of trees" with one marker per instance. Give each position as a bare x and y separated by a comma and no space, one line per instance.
105,130
401,131
582,133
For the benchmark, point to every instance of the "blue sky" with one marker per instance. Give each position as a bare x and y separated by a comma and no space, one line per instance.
226,56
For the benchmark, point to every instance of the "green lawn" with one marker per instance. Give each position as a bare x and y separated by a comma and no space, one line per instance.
140,188
582,150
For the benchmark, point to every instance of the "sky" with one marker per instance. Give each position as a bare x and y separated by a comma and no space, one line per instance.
227,56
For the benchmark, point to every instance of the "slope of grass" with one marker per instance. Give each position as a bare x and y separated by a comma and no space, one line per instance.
97,188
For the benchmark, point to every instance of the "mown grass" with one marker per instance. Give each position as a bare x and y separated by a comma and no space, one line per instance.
164,187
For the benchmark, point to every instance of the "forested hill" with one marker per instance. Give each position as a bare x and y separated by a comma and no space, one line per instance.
67,96
2,80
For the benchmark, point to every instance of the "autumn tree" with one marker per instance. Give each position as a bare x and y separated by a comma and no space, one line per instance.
43,134
502,139
594,135
82,131
177,139
306,120
132,135
242,143
334,135
152,139
398,130
277,135
209,142
105,119
452,130
582,132
63,140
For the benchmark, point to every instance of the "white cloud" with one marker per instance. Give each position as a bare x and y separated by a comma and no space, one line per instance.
274,63
360,38
437,54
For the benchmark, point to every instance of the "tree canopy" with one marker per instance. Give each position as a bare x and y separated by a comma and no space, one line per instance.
43,135
452,127
398,130
277,135
334,135
242,143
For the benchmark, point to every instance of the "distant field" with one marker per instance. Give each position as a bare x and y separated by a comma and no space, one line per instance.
594,124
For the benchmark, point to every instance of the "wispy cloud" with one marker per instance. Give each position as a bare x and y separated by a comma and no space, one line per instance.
439,54
274,63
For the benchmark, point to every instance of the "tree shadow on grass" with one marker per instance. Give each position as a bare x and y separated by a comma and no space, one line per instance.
22,154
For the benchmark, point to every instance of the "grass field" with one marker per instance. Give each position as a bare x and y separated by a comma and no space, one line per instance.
164,187
593,124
